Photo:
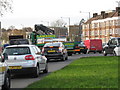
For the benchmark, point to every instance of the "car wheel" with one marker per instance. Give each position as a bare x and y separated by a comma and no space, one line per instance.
46,69
6,85
104,53
36,72
114,53
63,58
69,54
66,58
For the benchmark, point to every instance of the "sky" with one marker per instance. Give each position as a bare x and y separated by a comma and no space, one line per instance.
27,13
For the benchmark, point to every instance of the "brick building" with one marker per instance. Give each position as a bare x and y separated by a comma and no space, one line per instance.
60,31
102,26
75,33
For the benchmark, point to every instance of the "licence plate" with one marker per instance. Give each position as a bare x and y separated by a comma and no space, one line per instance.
51,51
15,67
81,48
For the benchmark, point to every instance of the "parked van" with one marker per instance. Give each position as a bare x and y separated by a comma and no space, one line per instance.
93,45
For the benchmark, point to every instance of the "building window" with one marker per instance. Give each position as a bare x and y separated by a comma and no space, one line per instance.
100,32
95,25
111,31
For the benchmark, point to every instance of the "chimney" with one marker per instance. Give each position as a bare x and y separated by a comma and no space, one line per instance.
106,15
95,14
118,10
103,14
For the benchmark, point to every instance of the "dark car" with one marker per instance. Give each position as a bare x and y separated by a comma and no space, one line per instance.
55,50
80,48
19,41
112,47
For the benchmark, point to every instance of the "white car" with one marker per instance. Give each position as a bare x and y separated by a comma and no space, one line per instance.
117,51
4,75
26,59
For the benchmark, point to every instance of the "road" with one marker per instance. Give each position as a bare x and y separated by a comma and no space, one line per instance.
24,81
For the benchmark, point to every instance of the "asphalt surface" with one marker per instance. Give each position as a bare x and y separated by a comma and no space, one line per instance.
24,81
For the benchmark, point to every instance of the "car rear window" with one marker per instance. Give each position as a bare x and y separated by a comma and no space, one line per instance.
52,44
17,50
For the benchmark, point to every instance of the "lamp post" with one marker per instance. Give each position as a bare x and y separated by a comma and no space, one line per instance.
46,22
68,24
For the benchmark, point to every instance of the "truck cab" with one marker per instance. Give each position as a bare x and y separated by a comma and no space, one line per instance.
112,47
4,74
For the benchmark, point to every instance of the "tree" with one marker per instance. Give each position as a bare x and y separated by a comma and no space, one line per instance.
58,23
5,5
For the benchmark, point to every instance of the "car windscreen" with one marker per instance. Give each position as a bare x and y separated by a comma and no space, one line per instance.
52,44
17,50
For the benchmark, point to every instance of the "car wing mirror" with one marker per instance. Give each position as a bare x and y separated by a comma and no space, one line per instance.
4,57
38,53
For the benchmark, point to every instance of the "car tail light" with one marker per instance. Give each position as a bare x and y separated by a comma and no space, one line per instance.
29,57
43,50
76,47
60,49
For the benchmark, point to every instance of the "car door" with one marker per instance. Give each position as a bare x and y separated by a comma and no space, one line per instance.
111,45
39,58
1,75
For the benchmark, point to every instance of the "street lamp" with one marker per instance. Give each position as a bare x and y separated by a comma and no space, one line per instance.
46,22
68,24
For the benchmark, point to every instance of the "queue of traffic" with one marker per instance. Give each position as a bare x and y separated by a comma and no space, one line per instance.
23,58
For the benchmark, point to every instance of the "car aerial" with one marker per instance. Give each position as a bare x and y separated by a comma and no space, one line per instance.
55,50
112,47
5,80
26,59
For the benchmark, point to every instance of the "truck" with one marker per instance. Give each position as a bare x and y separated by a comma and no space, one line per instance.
70,47
93,45
41,35
79,47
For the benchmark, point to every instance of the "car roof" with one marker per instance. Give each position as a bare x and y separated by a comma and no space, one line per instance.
23,45
115,37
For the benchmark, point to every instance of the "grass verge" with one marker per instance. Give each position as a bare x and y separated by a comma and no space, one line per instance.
91,72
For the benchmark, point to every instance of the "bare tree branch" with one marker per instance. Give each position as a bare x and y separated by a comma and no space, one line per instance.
5,6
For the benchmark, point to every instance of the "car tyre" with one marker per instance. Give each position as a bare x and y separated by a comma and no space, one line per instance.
114,53
36,72
104,53
69,54
7,83
46,69
63,58
66,58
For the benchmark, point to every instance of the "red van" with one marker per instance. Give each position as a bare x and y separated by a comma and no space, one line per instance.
93,45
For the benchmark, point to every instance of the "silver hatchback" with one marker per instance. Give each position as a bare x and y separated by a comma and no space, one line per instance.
26,59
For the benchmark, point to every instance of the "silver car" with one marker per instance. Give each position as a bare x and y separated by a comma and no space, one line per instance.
26,59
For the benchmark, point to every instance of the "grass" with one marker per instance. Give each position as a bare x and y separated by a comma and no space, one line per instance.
92,72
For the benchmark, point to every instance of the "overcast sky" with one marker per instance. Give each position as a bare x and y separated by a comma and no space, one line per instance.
26,13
